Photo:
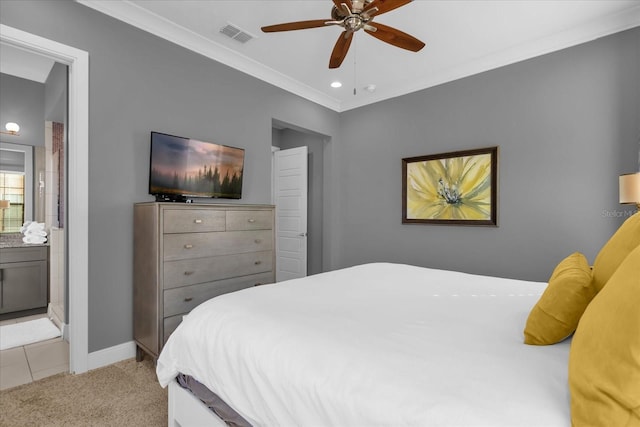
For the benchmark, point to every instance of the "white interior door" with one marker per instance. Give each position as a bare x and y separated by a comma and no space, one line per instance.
290,198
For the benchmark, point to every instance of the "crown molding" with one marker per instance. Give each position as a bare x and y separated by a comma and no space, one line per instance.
590,31
134,15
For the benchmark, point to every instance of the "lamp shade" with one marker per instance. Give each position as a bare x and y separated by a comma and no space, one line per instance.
4,204
630,188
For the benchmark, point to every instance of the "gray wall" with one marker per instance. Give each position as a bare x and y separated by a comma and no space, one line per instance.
23,103
567,124
56,95
140,83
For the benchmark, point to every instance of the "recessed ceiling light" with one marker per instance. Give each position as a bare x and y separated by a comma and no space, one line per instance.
336,84
370,88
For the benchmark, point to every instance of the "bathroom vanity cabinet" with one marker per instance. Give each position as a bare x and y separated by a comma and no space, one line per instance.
23,279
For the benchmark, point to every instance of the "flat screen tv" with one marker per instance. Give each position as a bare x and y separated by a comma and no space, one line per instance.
183,168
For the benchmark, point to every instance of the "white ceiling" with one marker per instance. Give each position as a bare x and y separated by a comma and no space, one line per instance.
20,63
463,37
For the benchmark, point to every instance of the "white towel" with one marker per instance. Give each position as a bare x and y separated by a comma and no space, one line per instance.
24,226
41,233
34,239
33,228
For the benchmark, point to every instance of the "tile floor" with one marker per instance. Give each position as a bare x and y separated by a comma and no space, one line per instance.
22,365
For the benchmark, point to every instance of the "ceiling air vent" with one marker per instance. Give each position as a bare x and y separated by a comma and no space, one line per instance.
236,33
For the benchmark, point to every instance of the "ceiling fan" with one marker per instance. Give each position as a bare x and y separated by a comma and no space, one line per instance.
356,16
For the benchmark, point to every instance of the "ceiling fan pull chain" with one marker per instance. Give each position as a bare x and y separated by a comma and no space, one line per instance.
355,53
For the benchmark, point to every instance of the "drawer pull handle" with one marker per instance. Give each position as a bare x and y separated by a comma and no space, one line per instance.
258,262
197,221
188,273
258,240
251,220
188,246
187,299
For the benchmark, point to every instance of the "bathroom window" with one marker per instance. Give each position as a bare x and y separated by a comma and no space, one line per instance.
12,190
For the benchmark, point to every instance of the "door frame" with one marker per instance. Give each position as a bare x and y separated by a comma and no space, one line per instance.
78,182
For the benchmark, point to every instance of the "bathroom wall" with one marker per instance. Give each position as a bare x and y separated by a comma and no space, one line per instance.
53,194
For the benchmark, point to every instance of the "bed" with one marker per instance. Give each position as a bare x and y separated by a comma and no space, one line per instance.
386,344
378,344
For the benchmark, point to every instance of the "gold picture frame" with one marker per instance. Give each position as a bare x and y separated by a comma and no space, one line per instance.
455,188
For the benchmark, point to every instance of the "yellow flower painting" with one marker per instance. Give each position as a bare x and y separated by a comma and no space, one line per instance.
457,187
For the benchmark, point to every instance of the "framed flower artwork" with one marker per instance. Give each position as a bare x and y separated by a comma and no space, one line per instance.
457,188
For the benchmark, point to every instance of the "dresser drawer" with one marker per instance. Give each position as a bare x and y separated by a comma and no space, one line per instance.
184,299
193,220
249,220
198,245
175,306
169,325
201,270
185,254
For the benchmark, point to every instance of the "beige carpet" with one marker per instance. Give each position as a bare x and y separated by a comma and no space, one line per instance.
123,394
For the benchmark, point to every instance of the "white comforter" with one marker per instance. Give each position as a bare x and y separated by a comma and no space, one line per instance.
375,345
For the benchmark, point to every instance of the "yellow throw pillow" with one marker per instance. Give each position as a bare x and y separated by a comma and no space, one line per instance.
623,241
556,314
604,360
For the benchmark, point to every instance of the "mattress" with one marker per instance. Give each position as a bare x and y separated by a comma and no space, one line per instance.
378,345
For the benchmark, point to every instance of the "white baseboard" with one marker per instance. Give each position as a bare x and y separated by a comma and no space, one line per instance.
64,327
65,332
108,356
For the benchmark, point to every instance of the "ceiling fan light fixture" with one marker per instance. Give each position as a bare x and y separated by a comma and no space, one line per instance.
353,16
358,5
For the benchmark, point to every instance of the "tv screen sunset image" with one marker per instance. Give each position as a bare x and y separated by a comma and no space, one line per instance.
188,167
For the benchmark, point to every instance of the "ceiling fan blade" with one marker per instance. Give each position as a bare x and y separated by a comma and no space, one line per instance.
395,37
338,4
340,49
300,25
384,6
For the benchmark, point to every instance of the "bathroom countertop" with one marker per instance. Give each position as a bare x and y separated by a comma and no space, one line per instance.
14,240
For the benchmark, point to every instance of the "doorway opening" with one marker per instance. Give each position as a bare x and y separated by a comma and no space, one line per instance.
33,181
77,62
286,136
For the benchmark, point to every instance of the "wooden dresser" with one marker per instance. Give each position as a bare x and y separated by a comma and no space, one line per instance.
185,254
